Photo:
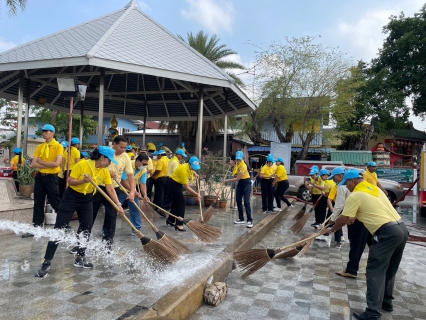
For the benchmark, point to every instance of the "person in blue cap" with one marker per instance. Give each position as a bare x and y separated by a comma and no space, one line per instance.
15,163
73,159
316,185
370,175
242,175
129,151
266,177
84,155
180,178
160,180
150,182
181,146
62,180
79,197
370,205
174,163
150,146
47,159
282,184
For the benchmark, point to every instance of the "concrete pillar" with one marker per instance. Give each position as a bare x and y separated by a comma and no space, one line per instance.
27,114
144,124
200,123
81,123
225,127
20,103
101,107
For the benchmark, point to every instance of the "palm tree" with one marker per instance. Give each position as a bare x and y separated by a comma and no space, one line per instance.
14,5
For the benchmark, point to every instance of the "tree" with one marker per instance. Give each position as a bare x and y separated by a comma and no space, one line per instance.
403,57
14,6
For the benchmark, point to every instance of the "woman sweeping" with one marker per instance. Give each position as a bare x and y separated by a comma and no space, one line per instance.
281,182
180,178
78,197
17,161
266,175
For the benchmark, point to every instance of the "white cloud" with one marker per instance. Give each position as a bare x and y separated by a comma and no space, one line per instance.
144,6
215,16
6,45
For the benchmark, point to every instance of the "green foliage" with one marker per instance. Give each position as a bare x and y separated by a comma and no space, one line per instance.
212,170
14,6
224,195
26,174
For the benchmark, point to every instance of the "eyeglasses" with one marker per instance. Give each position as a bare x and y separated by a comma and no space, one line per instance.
45,130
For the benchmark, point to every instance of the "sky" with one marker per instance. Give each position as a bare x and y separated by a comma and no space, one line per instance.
355,27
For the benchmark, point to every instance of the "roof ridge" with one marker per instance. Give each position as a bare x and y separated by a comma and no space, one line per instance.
58,32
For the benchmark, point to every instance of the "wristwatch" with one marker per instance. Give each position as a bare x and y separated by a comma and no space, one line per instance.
119,204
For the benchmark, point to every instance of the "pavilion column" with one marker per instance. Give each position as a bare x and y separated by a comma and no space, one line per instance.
200,123
144,123
20,103
225,129
101,107
27,114
81,123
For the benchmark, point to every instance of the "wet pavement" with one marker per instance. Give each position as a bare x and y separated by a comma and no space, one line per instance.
306,287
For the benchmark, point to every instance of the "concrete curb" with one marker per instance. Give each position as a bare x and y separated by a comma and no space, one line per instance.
182,302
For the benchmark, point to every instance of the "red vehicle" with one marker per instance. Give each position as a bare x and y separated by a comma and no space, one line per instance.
6,172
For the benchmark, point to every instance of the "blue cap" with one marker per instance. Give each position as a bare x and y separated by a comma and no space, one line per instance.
313,171
182,144
108,152
160,144
315,168
337,170
350,174
48,127
371,164
64,143
162,151
239,154
155,153
75,141
270,159
270,155
17,150
181,152
324,172
129,148
195,163
280,160
84,154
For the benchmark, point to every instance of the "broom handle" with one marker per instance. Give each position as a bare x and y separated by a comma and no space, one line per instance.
115,206
166,212
221,185
199,202
140,210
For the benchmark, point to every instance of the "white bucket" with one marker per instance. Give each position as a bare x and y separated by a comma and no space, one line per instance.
50,217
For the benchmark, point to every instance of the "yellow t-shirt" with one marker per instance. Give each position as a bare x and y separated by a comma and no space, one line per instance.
49,152
372,211
131,155
179,147
75,154
14,162
328,185
281,173
267,171
150,166
182,174
318,182
166,149
99,176
151,146
371,177
163,166
124,164
333,192
173,164
242,168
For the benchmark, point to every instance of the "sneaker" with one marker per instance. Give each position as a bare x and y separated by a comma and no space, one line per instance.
44,270
81,262
315,225
250,224
239,221
133,234
74,250
277,209
27,235
321,238
265,212
343,239
338,245
290,208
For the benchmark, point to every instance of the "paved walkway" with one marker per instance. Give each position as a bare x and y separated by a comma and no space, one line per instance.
306,287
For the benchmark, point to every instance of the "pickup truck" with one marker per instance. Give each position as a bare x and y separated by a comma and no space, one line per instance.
297,186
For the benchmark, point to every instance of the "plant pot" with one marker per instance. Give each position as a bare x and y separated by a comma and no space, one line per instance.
192,201
26,190
223,203
208,200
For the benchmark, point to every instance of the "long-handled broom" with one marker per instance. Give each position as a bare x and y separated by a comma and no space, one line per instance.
162,238
207,234
148,210
302,211
151,247
199,203
209,212
298,226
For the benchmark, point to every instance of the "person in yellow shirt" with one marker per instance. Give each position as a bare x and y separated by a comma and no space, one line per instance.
160,180
174,163
84,155
74,158
47,159
281,182
370,176
150,146
266,178
244,186
151,169
180,178
316,186
78,197
181,146
129,151
370,205
17,160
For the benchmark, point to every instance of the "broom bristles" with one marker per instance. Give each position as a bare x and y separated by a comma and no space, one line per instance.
298,226
289,254
252,260
208,213
172,243
205,233
300,214
158,251
149,211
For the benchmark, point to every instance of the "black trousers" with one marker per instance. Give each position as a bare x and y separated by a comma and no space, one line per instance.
149,185
178,202
45,185
73,201
110,220
267,194
160,186
167,203
384,257
358,236
320,209
15,176
282,187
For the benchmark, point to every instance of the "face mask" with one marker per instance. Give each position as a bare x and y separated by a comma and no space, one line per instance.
154,157
142,167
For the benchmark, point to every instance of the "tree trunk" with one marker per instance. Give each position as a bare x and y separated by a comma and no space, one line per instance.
277,127
305,146
254,132
53,119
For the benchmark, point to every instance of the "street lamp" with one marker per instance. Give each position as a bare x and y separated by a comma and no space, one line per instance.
68,87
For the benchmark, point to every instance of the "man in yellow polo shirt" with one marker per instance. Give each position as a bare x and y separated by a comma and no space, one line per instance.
74,158
47,158
369,204
370,176
160,180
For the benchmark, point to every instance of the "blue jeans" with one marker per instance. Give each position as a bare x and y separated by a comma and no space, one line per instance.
244,190
135,215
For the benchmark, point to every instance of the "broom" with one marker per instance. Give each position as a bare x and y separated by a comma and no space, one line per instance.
162,238
298,226
209,212
254,259
302,211
199,203
205,233
151,247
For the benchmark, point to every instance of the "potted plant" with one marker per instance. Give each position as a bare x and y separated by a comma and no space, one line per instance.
223,199
26,180
212,170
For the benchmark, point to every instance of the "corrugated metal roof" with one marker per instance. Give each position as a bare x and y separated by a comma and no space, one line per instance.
356,158
267,149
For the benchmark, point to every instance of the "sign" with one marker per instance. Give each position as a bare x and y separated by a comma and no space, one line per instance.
400,175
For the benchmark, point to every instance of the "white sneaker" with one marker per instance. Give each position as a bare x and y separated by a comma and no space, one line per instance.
321,238
277,209
249,224
342,239
290,208
265,212
239,221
